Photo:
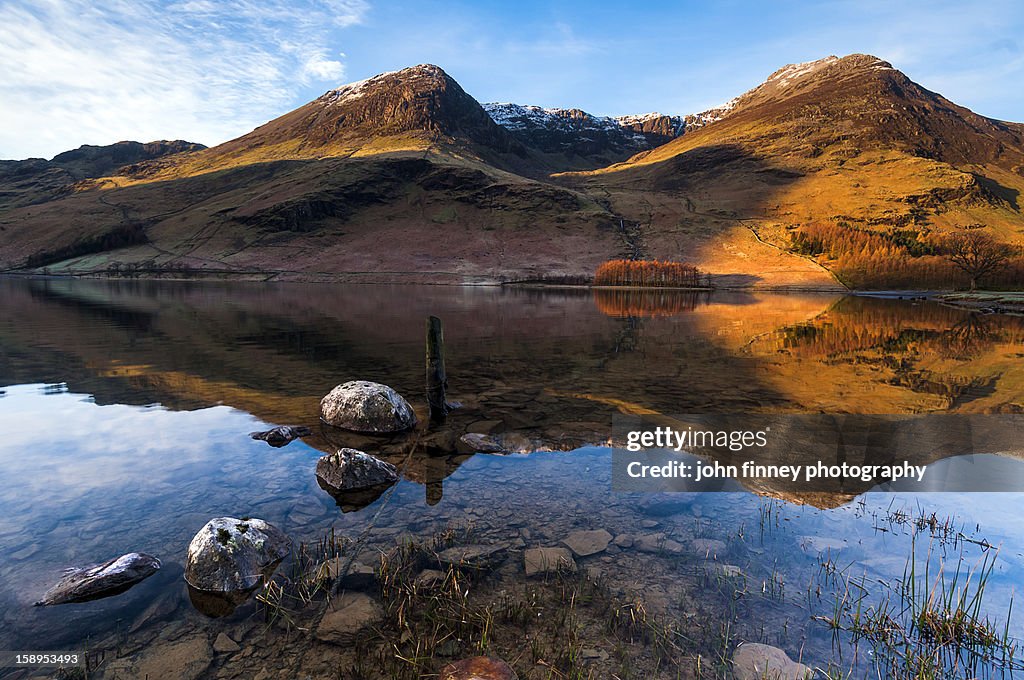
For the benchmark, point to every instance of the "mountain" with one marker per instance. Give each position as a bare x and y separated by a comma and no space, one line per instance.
37,179
402,176
840,170
582,139
416,109
846,146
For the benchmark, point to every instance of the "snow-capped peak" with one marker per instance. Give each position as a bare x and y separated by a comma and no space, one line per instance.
790,72
522,117
359,88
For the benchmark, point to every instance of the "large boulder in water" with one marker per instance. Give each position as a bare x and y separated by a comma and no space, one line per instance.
82,584
352,470
364,406
353,478
231,555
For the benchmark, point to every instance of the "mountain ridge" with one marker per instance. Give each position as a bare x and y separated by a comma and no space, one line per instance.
409,159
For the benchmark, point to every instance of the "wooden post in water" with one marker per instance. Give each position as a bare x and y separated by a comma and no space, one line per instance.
437,380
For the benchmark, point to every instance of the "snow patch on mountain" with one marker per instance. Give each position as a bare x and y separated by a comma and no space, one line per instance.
791,72
355,90
518,117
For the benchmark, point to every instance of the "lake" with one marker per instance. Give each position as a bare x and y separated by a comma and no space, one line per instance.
126,408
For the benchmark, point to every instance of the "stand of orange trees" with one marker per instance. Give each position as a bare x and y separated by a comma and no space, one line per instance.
895,258
648,273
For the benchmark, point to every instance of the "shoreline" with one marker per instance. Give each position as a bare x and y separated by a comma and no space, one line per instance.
1011,302
986,302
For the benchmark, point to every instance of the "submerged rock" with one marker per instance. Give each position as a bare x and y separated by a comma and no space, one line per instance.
727,571
754,661
822,544
183,659
359,576
710,548
547,561
510,442
225,645
81,584
347,616
480,557
478,668
283,435
584,543
230,555
657,543
666,505
364,406
482,443
352,470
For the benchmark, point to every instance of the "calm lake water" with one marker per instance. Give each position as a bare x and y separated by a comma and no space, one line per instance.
126,408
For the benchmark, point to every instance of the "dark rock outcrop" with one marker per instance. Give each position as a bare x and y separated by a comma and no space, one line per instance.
282,435
101,580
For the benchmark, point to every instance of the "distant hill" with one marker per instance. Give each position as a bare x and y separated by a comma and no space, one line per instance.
37,179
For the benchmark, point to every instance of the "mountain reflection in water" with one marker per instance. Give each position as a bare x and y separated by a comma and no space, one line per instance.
155,387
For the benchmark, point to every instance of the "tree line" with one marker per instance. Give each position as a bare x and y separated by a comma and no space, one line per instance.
649,273
901,258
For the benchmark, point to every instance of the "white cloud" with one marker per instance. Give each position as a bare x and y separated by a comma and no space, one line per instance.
80,73
320,67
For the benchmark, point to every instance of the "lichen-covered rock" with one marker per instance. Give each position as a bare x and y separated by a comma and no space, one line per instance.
231,555
364,406
82,584
352,470
478,668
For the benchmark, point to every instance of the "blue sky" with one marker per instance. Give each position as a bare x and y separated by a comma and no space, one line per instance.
75,72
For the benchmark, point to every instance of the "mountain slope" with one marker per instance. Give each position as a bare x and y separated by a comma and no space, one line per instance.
35,179
400,177
420,108
849,142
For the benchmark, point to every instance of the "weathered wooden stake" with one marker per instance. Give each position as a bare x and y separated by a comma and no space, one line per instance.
437,380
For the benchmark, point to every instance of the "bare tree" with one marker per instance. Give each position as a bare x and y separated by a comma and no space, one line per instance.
976,253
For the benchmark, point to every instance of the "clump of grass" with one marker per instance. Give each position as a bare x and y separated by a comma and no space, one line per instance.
928,625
